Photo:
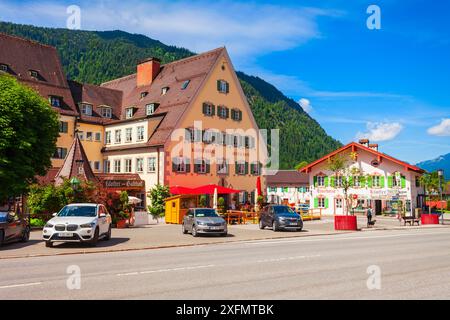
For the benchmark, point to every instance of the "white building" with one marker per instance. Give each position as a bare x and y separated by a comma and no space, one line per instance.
288,187
379,181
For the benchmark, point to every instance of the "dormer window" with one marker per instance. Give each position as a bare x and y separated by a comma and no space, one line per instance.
55,101
34,74
144,94
3,67
106,112
86,109
164,90
185,84
151,108
129,113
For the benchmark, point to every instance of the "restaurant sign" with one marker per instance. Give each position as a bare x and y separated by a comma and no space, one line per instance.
124,184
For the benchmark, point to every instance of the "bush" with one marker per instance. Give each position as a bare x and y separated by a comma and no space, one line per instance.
36,222
157,207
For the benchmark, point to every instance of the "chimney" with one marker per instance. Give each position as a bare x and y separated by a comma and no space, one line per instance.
364,142
373,146
147,70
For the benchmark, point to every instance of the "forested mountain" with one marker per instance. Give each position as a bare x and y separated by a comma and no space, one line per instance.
442,162
96,57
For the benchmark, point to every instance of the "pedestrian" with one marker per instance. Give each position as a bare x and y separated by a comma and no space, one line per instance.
369,216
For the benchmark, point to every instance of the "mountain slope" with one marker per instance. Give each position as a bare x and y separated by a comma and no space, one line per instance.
96,57
442,162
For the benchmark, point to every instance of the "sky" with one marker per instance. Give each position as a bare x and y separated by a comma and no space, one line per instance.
390,84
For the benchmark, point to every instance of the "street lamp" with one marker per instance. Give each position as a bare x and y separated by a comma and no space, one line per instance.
75,183
440,175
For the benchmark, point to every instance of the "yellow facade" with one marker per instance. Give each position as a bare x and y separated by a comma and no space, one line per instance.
65,140
92,138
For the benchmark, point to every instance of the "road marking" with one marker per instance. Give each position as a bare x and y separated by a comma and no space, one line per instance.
287,258
164,270
21,285
336,238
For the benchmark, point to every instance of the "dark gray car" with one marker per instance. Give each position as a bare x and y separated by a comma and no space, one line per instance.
280,217
202,221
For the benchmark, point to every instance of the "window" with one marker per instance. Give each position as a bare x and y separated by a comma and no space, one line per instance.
180,165
164,90
339,203
223,86
86,109
321,202
144,94
376,181
208,109
63,127
151,164
417,181
201,166
60,153
107,137
255,169
117,166
118,136
223,112
338,182
81,135
88,136
272,189
128,134
3,67
34,74
241,168
185,84
97,165
129,113
357,181
140,133
151,108
106,112
140,165
55,101
128,165
98,137
321,181
107,166
222,167
236,115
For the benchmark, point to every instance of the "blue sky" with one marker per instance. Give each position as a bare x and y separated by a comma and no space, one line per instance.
391,85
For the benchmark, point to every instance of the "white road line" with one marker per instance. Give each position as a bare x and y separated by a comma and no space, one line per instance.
287,258
21,285
164,270
337,238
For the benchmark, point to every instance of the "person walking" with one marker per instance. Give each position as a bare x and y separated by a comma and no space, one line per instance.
369,217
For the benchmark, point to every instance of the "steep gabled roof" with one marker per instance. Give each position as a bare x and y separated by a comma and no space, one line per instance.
175,102
286,178
355,146
76,158
22,55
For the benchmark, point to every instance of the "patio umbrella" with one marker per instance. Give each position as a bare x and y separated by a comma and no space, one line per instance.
215,199
256,199
134,200
258,185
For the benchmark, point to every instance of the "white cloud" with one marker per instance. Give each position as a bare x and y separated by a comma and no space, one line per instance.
306,105
381,131
442,129
247,29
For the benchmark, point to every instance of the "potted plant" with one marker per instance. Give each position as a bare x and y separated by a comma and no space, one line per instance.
122,220
221,205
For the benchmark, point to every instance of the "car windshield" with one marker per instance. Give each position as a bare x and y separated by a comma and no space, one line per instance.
77,211
200,213
283,210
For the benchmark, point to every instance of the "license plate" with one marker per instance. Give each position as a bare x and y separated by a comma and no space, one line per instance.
293,223
215,228
66,234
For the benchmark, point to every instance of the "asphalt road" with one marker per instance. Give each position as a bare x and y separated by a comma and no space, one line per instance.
412,264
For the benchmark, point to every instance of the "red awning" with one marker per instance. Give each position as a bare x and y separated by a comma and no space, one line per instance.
208,189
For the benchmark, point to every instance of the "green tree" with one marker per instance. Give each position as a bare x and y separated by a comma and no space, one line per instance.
157,197
430,182
28,132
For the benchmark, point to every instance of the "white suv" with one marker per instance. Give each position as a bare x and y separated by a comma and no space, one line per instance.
78,222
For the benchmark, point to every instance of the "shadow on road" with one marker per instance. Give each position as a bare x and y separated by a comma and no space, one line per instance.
18,245
100,244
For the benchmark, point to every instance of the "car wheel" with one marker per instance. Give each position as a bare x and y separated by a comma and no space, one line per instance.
26,235
183,229
261,225
94,240
1,237
275,226
224,234
108,235
194,231
48,244
299,229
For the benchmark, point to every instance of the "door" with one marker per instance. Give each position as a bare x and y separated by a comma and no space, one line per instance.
378,207
339,206
102,220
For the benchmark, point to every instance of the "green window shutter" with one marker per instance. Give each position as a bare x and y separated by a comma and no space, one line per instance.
382,181
316,202
219,109
228,112
333,182
228,87
204,107
236,169
315,181
208,167
240,115
213,110
403,182
246,168
326,181
252,167
370,181
390,181
326,203
218,85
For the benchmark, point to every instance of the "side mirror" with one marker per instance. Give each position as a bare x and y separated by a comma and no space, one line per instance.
55,214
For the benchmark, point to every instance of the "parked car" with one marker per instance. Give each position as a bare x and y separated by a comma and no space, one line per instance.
202,221
78,222
13,228
280,217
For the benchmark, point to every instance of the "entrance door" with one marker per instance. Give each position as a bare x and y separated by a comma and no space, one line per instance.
378,207
338,206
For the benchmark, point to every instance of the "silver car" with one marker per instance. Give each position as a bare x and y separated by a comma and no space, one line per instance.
202,221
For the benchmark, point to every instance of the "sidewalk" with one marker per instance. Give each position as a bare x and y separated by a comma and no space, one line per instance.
166,236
